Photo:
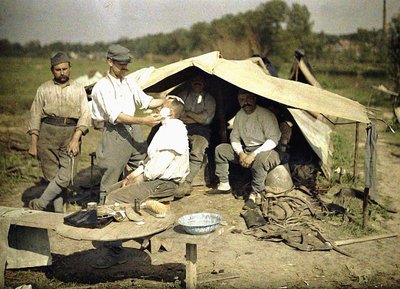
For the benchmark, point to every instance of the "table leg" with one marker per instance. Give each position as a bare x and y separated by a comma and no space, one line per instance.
191,260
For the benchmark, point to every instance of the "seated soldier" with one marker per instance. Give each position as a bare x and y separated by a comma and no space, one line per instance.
199,112
166,165
254,136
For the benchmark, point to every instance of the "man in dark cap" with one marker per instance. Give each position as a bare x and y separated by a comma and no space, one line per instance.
253,139
59,117
115,99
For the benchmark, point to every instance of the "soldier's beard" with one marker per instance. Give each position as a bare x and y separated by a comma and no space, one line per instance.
62,79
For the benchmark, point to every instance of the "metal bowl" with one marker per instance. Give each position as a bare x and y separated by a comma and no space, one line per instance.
199,223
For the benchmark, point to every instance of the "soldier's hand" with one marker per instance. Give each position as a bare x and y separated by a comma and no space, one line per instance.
242,157
73,147
32,150
249,160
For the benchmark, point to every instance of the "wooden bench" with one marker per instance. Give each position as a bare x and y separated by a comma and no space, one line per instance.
24,240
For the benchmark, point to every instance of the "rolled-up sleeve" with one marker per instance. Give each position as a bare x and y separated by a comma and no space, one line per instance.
36,113
235,137
85,117
209,108
104,106
142,100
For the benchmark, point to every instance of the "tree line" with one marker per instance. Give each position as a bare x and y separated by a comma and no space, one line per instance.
274,29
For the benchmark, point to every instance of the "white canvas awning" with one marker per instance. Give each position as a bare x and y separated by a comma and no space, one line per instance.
249,76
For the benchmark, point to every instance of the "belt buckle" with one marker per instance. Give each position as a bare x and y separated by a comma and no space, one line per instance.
65,120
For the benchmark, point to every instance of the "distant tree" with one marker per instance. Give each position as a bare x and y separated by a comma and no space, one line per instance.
266,23
299,26
199,36
10,49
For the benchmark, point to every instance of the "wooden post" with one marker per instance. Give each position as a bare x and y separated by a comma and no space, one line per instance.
4,227
191,271
355,171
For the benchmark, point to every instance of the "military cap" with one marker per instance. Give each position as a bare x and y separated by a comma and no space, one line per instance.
59,57
118,53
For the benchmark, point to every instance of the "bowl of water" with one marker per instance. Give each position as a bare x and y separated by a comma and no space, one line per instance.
200,223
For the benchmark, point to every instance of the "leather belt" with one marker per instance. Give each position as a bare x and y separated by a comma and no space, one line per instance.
60,121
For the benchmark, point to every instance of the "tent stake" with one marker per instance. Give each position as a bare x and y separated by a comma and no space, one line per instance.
355,171
365,207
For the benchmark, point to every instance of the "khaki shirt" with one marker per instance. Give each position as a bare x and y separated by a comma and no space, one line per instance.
254,129
53,100
203,103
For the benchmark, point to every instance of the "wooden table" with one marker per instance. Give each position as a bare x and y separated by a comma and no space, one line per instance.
125,230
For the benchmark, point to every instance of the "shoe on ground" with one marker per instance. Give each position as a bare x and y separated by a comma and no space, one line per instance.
109,260
34,204
218,192
249,205
184,189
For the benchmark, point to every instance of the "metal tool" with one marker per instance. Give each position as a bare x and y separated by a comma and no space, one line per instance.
72,165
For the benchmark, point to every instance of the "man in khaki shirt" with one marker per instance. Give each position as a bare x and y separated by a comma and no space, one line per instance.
59,117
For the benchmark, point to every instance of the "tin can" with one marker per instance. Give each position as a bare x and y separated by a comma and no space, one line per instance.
136,205
92,206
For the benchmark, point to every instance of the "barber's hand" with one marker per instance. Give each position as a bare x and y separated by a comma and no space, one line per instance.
73,147
152,119
33,150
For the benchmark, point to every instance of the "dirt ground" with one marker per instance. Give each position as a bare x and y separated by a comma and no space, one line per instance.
232,258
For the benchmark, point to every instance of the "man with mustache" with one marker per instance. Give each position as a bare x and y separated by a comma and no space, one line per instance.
115,99
254,136
59,117
199,112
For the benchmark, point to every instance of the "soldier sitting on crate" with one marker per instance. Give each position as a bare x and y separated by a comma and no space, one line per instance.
254,137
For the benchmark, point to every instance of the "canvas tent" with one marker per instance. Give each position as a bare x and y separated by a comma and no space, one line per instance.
316,129
251,75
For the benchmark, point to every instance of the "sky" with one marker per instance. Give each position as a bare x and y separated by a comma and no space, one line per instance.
88,21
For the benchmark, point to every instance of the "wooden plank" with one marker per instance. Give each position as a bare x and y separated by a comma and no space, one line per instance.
31,218
364,239
191,269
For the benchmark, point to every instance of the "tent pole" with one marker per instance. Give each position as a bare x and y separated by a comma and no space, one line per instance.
355,171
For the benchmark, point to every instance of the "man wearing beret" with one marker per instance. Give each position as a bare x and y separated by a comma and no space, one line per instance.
115,99
59,117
